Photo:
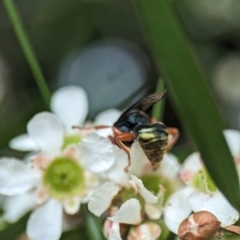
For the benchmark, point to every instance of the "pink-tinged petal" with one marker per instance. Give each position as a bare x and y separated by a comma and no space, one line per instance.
102,197
47,131
117,172
129,213
72,152
41,194
46,221
169,166
15,207
23,143
40,161
219,206
197,199
15,177
177,209
145,194
96,153
70,104
114,233
145,231
139,161
233,140
191,166
107,223
72,205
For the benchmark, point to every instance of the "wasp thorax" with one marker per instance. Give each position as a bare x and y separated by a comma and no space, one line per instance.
132,120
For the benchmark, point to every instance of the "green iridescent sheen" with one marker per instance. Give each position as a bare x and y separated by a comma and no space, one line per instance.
203,181
152,182
64,178
71,139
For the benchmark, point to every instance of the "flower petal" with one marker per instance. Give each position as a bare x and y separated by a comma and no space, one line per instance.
47,131
114,233
129,212
107,117
23,143
46,221
70,104
197,199
222,209
72,205
177,209
191,166
15,207
15,177
139,161
97,153
149,230
233,140
102,197
146,195
117,173
169,166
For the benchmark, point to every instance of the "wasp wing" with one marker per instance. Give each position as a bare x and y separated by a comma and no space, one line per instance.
143,104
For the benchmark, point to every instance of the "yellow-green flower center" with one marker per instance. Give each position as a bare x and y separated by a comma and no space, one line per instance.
153,181
71,139
203,181
64,178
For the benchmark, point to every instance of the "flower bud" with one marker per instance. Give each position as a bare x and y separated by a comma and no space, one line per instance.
199,226
148,230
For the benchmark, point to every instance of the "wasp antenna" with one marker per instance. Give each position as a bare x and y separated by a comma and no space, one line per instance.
77,127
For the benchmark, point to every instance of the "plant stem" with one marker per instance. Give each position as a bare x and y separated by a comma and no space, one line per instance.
27,49
158,108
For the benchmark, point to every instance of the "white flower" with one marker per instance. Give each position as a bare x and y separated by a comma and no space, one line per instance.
102,197
216,204
100,156
177,208
70,105
112,163
57,175
202,194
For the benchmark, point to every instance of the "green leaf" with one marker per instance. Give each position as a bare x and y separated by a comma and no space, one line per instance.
93,225
75,234
158,108
188,92
13,230
27,49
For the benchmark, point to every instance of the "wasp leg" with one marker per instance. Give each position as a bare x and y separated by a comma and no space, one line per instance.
154,120
91,127
124,137
175,134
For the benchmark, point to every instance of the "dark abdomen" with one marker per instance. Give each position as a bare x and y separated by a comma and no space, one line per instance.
153,138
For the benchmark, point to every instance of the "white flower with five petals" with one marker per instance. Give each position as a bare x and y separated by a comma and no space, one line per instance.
57,175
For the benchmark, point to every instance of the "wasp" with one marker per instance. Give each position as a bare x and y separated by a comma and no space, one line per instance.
153,136
136,124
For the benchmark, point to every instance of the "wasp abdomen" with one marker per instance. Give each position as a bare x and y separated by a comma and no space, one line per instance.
153,139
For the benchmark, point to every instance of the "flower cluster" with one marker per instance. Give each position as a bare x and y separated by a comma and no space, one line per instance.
52,177
68,166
